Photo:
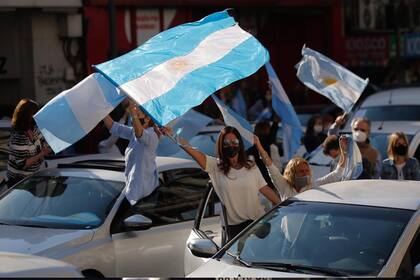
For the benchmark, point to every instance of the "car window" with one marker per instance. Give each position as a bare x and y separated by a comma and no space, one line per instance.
59,202
351,239
390,113
176,199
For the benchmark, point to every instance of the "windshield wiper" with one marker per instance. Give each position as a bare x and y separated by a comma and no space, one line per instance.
298,267
238,258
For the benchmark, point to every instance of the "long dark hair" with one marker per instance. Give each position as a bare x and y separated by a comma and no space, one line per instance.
224,160
23,115
310,125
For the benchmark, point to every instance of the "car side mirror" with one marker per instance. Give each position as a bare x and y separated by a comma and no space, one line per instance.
416,272
203,248
137,222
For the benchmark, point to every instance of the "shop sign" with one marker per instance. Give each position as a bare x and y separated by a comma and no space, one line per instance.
367,50
412,45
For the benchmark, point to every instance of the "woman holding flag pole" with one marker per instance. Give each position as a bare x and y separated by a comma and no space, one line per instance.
236,180
140,173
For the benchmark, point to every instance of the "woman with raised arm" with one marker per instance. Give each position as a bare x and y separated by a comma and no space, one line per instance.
298,174
236,179
141,176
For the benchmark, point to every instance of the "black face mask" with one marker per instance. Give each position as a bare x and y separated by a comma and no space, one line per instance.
401,150
230,151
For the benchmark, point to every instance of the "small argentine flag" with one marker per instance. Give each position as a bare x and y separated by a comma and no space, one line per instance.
233,119
180,67
73,113
330,79
354,165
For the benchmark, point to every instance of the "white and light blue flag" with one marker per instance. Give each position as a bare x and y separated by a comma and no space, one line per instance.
292,130
187,126
354,166
233,119
180,67
73,113
330,79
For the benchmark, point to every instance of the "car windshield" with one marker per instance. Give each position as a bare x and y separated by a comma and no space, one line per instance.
391,113
59,202
347,239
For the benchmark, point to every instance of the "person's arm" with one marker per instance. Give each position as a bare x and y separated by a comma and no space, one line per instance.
108,121
138,128
32,160
197,155
117,129
263,154
270,195
335,127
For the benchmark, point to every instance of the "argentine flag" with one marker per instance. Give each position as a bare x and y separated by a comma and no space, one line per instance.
69,116
180,67
233,119
292,131
330,79
354,165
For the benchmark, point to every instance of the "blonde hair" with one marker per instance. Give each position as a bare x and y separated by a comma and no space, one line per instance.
291,169
392,141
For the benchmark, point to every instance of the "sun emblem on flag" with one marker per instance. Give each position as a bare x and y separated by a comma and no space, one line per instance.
179,64
328,81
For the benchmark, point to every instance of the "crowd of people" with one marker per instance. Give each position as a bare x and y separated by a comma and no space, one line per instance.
239,177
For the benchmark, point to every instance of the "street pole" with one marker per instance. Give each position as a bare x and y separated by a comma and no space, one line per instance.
112,29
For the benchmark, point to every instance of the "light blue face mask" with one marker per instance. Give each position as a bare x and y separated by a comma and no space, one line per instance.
302,181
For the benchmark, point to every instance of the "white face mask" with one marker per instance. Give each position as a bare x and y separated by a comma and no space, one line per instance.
302,181
318,128
359,136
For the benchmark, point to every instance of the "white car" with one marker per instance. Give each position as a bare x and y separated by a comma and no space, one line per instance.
71,213
359,228
320,163
20,265
399,104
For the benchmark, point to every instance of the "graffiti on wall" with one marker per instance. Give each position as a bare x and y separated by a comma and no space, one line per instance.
50,79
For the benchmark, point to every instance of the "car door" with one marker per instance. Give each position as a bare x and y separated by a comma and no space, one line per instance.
211,216
158,251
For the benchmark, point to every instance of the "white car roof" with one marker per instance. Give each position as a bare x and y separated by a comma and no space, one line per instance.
379,193
22,265
167,163
397,96
408,127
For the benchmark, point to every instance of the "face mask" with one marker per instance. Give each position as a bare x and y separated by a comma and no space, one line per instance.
359,136
231,151
302,181
318,128
401,150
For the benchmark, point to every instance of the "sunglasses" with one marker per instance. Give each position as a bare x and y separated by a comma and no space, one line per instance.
233,142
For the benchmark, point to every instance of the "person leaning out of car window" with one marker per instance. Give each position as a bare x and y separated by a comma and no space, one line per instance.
236,179
298,174
371,158
398,165
26,143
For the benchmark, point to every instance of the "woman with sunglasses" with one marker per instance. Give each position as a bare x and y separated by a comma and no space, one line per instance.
398,165
141,176
298,174
236,179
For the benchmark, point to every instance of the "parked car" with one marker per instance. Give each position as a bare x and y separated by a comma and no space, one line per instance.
380,131
359,228
70,213
20,265
399,104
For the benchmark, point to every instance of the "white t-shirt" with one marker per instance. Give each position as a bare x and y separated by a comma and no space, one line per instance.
238,191
400,172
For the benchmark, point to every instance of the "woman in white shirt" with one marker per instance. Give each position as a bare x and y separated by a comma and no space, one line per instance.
236,179
298,174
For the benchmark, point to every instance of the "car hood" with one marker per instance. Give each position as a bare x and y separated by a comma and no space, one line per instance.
41,241
215,269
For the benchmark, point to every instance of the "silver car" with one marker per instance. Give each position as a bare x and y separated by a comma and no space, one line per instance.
70,213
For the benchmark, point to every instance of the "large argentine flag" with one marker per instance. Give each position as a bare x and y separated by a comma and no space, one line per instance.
292,131
180,67
73,113
354,166
233,119
330,79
